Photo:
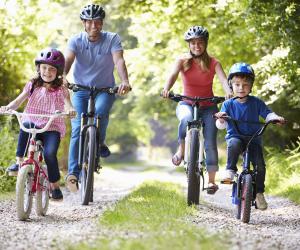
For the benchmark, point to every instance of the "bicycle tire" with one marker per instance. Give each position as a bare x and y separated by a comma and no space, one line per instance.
246,198
193,174
88,165
24,195
42,193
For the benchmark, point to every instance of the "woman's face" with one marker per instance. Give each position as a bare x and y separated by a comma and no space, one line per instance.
197,46
48,72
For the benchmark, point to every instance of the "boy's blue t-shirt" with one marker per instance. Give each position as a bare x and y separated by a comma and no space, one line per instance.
94,64
250,110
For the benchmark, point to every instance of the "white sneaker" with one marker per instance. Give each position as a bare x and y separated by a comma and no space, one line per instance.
228,175
261,201
72,183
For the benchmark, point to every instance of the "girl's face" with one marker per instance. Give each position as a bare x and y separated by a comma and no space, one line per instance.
240,86
197,46
48,72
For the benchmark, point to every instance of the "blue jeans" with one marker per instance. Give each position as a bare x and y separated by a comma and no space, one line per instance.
51,141
236,146
184,113
103,104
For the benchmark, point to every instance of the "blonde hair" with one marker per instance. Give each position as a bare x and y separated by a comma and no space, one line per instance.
203,61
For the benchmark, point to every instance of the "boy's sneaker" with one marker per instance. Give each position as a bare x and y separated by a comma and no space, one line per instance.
104,151
228,176
13,170
72,183
261,203
56,194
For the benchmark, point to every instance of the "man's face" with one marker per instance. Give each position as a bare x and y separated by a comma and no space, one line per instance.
93,28
240,86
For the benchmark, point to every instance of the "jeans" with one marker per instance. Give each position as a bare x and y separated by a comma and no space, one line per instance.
51,141
236,146
184,113
103,104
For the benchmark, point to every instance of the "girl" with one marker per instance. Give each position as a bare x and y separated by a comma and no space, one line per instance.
197,69
45,95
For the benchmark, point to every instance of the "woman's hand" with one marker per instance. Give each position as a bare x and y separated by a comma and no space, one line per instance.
165,93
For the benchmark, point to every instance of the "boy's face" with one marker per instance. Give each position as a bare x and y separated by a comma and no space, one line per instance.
240,86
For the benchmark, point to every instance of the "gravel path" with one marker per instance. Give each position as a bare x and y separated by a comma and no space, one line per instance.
276,228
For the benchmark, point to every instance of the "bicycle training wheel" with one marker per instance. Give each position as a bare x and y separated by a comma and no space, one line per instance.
192,165
42,193
246,198
24,191
88,165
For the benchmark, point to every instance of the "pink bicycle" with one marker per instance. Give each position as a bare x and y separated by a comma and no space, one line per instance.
32,177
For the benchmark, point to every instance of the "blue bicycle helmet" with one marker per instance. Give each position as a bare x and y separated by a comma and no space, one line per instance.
241,68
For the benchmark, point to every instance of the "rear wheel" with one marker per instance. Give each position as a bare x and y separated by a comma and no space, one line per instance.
192,165
42,192
88,166
246,198
24,192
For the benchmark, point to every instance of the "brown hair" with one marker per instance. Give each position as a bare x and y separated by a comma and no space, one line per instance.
203,61
38,82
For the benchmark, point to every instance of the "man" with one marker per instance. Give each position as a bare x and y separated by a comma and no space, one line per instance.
95,53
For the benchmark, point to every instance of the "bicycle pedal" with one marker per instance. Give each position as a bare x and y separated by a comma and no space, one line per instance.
227,182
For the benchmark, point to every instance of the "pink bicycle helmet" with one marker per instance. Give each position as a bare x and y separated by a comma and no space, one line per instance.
52,57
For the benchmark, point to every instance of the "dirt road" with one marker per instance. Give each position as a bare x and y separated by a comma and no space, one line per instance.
276,228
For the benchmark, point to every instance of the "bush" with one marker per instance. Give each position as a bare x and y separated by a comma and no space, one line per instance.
8,139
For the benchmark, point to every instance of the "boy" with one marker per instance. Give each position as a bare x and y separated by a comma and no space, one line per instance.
245,108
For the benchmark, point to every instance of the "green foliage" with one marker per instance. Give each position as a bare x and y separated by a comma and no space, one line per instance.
8,139
283,172
153,217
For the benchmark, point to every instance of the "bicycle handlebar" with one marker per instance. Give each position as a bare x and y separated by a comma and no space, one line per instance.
35,130
213,99
109,90
259,132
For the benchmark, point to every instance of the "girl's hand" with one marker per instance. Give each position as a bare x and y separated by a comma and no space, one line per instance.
4,108
72,112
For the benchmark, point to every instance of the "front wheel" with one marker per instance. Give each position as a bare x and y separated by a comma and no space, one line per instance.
192,165
24,192
246,198
88,166
42,192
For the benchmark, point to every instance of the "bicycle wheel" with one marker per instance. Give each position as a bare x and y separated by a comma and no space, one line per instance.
24,192
88,165
192,165
246,198
42,193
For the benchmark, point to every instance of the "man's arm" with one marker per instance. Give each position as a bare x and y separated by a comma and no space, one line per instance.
69,59
122,71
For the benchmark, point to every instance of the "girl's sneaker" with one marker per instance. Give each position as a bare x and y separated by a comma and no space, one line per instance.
228,175
56,194
13,170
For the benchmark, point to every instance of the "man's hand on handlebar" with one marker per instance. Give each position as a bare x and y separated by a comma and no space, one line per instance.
124,88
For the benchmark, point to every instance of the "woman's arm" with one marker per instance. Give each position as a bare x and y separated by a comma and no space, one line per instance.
172,78
223,80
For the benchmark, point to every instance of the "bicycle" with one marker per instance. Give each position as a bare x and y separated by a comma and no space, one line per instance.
89,155
33,175
244,183
194,156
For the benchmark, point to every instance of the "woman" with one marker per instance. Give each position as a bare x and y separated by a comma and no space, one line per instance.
197,70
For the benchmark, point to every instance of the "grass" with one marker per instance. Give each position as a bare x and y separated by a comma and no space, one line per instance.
154,216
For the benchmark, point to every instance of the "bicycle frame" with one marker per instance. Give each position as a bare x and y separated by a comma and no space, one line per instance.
32,177
194,156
